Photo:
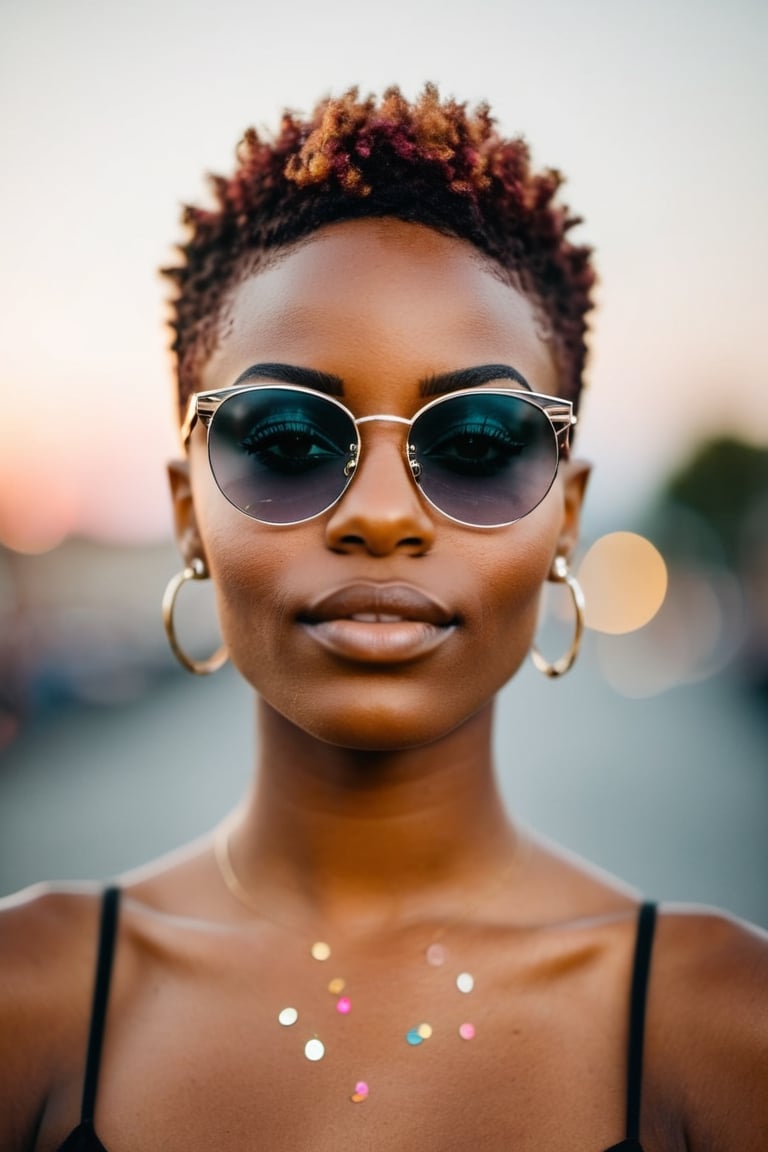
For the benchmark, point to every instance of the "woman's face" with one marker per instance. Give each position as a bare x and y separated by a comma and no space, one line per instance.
381,623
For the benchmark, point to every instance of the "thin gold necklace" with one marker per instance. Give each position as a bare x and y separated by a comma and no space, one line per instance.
435,953
227,872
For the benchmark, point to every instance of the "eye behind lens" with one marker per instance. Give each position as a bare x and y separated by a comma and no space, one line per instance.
486,459
279,455
290,445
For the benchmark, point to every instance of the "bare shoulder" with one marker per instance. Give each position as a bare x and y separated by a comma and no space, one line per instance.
47,955
712,941
708,1024
45,934
704,951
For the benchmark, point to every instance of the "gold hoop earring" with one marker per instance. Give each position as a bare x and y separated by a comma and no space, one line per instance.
561,574
195,570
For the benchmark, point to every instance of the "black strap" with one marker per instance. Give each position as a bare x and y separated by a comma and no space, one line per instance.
646,922
107,932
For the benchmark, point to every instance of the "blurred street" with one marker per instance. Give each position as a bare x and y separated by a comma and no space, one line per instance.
670,792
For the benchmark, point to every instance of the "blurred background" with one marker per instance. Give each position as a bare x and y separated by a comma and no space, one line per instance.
651,758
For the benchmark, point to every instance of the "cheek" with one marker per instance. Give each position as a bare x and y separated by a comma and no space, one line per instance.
246,567
241,557
513,563
511,572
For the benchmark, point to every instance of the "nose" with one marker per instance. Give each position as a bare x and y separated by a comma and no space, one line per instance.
381,511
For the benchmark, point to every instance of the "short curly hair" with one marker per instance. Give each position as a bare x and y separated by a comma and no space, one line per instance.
430,161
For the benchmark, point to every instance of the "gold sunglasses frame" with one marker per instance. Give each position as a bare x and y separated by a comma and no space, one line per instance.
202,406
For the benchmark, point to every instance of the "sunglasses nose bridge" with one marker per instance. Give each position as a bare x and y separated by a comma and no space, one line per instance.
381,509
402,439
382,419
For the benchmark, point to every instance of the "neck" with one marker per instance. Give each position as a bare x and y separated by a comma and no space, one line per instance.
348,834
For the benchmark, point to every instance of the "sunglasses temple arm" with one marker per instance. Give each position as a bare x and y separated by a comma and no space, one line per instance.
563,419
199,408
188,423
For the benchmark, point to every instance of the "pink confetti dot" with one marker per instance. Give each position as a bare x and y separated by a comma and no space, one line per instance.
467,1031
361,1088
436,955
343,1005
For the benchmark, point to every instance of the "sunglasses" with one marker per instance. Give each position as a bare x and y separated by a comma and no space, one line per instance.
283,454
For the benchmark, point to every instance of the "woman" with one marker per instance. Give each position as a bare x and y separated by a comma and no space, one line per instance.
379,333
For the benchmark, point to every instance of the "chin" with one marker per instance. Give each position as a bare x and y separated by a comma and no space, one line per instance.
377,721
377,741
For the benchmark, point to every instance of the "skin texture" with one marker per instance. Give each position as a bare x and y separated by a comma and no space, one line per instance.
374,821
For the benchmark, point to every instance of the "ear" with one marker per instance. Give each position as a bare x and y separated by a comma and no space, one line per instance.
188,538
576,475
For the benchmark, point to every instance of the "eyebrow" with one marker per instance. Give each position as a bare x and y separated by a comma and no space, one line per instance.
443,382
434,385
292,374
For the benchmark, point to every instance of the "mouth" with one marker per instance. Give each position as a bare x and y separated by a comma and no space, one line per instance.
379,623
376,618
369,603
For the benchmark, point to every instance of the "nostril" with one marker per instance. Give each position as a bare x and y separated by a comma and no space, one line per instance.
407,543
378,544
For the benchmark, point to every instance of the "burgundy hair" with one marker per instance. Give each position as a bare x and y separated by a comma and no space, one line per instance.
431,162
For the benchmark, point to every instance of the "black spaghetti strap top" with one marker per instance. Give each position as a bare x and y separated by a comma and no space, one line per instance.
84,1138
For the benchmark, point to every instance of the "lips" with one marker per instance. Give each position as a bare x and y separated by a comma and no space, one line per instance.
378,623
382,603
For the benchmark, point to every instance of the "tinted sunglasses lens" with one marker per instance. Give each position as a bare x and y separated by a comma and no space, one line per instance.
278,454
487,459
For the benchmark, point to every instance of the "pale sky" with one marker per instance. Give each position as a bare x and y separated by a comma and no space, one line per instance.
656,110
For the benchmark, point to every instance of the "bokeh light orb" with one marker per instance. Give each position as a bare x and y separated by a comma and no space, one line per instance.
624,579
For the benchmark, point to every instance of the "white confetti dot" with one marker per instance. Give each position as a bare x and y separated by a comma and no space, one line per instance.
314,1049
465,982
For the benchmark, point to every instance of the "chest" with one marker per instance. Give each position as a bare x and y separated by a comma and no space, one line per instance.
380,1052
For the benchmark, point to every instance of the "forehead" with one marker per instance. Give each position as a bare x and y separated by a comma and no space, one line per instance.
382,297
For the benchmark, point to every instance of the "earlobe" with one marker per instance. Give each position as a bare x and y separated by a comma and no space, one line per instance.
187,535
576,475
